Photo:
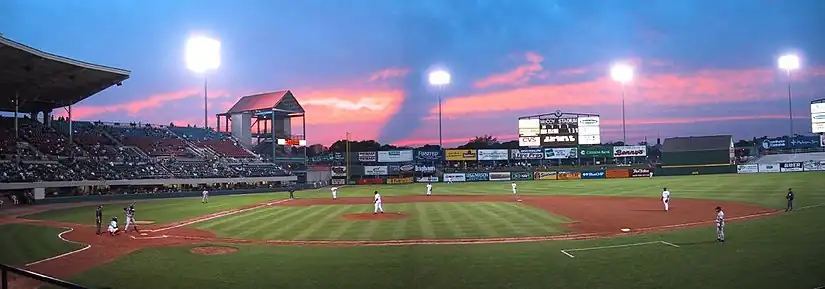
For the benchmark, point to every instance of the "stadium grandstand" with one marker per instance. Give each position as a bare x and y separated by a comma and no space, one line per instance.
41,154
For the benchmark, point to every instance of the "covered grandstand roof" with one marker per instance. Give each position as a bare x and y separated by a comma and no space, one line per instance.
697,143
44,81
280,101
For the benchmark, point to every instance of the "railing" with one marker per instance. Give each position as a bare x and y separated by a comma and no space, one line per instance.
4,278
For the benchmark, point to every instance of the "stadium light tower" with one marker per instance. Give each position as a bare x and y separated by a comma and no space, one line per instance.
788,63
622,73
203,54
439,79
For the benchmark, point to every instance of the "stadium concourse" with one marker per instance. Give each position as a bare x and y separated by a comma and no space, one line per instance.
36,146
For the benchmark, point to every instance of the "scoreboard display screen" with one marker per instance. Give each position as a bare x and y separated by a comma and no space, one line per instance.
559,132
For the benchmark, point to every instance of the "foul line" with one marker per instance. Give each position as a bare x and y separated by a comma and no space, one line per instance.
218,215
567,251
64,254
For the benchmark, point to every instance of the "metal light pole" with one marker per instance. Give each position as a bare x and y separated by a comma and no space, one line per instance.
440,140
623,74
203,54
624,128
439,79
788,63
205,101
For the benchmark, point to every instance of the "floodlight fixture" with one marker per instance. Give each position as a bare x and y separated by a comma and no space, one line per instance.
622,73
440,78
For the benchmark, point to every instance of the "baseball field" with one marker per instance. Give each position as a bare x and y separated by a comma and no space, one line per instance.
553,234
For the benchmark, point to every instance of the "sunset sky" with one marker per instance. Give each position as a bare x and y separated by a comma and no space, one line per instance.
702,67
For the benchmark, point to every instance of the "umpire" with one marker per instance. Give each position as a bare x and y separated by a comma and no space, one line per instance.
291,192
789,197
99,217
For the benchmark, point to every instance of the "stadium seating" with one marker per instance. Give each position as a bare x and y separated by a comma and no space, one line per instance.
786,158
47,140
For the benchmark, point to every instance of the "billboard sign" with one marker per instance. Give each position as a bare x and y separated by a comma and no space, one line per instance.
529,141
492,155
596,152
811,166
376,170
569,175
427,180
527,154
477,177
818,128
461,155
629,151
428,155
747,169
455,177
639,173
339,181
339,171
593,175
499,176
817,108
768,168
395,156
408,180
588,129
617,173
790,167
545,176
520,176
367,157
560,153
425,169
406,168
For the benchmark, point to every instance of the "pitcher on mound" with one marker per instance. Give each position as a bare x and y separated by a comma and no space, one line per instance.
377,204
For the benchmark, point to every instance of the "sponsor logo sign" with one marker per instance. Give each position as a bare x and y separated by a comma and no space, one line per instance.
477,177
790,167
529,123
617,173
818,128
407,168
528,131
427,180
499,176
461,155
590,139
768,168
339,181
339,171
400,180
589,121
429,155
545,176
517,176
455,177
376,181
588,128
638,173
593,175
425,169
629,151
395,156
320,168
527,154
560,153
393,170
376,170
492,155
818,117
570,175
596,152
811,166
774,143
794,142
367,157
529,141
817,108
338,156
747,169
559,140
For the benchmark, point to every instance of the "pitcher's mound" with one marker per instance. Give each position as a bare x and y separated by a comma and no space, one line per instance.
213,250
144,222
379,216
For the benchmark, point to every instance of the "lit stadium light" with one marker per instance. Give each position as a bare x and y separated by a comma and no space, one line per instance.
439,78
622,73
789,62
203,54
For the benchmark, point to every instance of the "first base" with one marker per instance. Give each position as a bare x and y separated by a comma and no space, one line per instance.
625,230
144,234
519,200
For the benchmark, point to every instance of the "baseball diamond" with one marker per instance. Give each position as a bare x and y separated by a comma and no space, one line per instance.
560,228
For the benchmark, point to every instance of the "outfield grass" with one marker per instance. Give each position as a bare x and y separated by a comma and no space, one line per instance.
424,220
21,243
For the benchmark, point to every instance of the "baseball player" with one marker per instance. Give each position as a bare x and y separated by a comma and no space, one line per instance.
291,192
99,218
205,197
651,174
113,226
377,202
789,197
449,180
666,198
720,225
513,184
334,193
429,189
130,218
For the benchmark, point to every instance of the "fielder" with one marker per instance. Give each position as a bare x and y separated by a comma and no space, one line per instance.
789,197
449,180
377,202
113,226
513,184
334,193
651,174
666,198
205,197
429,189
720,225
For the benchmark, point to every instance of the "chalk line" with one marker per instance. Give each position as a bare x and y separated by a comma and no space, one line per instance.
567,251
218,215
64,254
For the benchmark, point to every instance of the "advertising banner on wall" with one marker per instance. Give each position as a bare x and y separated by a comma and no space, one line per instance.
427,180
477,177
747,169
393,170
545,175
629,151
593,175
797,142
492,155
376,170
560,153
407,168
408,180
428,155
529,141
527,154
811,166
499,176
395,156
569,175
339,171
640,173
768,168
596,152
455,177
617,173
339,182
460,155
425,169
790,167
375,181
367,157
520,176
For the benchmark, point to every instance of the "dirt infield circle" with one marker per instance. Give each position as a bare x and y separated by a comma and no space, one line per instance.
375,217
213,250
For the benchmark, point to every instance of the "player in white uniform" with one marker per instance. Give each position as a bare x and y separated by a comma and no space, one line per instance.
334,193
720,225
651,174
205,197
113,226
377,202
666,198
449,180
429,189
514,187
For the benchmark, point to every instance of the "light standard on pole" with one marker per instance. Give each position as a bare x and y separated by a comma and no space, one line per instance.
439,79
202,55
789,62
623,74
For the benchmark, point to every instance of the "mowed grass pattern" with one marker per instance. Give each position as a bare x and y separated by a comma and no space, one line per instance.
24,243
422,221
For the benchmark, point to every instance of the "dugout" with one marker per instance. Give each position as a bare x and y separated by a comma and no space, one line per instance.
697,155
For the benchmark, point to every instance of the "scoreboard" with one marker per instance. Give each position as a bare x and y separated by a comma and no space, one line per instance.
559,130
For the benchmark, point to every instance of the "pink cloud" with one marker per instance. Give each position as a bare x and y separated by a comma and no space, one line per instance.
388,73
520,75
